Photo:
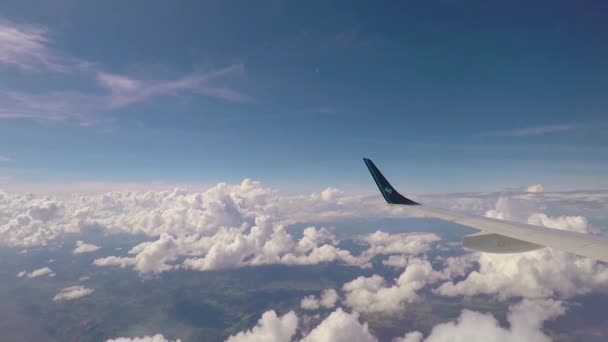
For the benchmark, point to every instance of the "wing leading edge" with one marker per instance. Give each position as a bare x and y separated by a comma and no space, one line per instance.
499,236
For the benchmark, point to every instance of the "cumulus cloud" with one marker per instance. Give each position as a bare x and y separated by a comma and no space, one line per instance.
72,292
397,261
525,322
82,247
31,220
153,338
536,274
525,319
577,224
340,326
44,271
270,328
327,300
260,244
224,226
238,225
376,295
123,262
150,257
404,243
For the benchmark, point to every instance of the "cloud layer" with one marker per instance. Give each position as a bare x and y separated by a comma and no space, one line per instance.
225,226
525,320
246,224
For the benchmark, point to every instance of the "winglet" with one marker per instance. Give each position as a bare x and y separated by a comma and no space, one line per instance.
388,192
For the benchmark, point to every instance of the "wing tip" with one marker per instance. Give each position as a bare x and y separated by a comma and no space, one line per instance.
386,189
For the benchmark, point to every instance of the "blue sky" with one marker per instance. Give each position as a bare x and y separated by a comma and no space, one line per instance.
444,96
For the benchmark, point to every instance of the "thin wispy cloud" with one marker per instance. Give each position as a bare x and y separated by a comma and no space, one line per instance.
536,130
30,48
58,106
4,158
125,90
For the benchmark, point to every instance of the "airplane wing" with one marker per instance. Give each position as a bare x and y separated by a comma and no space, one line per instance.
499,236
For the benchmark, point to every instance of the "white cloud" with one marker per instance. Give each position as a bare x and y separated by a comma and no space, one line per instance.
30,220
404,243
150,257
82,247
340,326
223,227
309,303
270,328
525,319
328,299
260,244
577,224
121,262
375,295
537,274
153,338
21,274
397,261
72,292
44,271
224,213
414,336
536,188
